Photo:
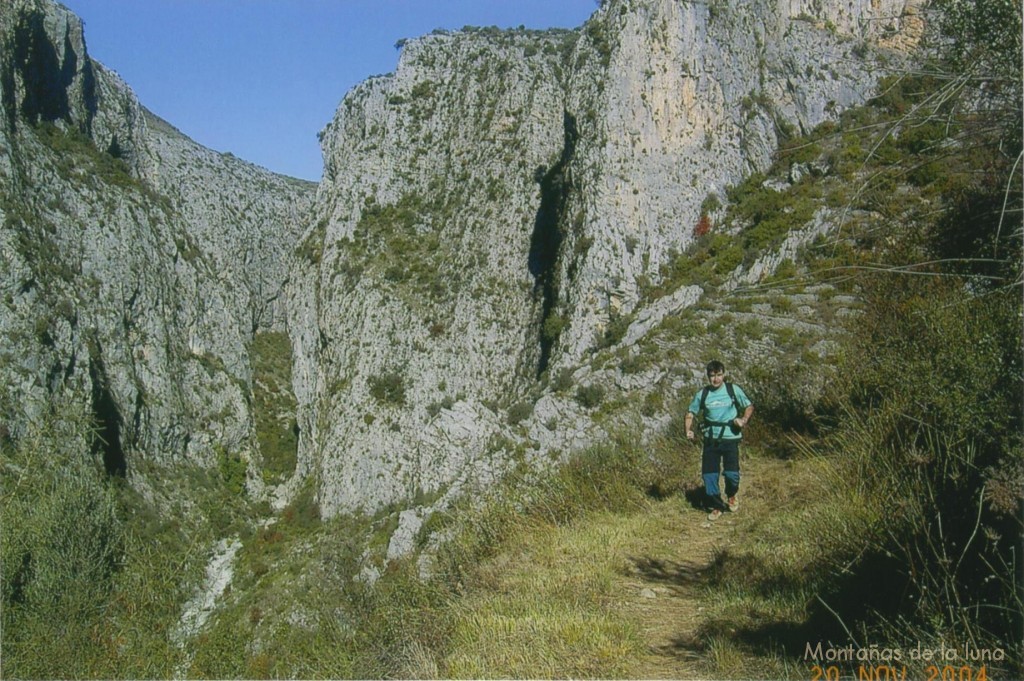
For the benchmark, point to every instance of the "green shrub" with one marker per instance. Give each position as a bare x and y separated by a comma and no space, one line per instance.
232,469
933,387
66,548
519,412
553,327
388,388
590,396
312,247
74,148
598,34
615,331
563,381
402,243
711,204
93,574
634,363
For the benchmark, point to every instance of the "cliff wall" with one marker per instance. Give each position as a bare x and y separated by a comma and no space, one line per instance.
493,207
491,215
137,265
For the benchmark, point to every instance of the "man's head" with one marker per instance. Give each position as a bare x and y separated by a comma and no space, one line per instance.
716,373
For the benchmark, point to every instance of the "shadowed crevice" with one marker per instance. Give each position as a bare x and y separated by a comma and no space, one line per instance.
45,78
107,438
548,234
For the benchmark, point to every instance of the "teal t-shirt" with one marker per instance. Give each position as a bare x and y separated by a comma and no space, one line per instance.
719,407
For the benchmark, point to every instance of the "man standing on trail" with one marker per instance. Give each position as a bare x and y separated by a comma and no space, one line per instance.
721,403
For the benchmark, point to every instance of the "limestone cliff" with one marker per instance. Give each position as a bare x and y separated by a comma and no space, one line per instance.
495,206
491,214
137,265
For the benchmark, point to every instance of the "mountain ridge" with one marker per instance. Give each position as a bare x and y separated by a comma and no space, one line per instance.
139,220
553,196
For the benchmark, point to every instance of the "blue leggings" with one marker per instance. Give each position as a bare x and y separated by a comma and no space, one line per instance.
719,455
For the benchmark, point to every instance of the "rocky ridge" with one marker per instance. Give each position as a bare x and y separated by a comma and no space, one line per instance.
137,265
494,216
493,212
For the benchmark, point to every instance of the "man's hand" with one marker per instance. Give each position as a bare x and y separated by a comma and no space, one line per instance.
690,435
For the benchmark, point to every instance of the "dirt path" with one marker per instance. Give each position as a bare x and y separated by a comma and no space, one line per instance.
665,588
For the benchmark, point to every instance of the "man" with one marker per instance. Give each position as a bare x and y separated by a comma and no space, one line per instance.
723,425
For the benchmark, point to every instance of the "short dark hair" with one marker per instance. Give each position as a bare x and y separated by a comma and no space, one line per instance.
714,366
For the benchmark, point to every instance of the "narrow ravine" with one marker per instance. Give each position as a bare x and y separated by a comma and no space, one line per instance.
219,572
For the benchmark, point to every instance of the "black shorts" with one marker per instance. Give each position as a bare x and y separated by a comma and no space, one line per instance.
720,455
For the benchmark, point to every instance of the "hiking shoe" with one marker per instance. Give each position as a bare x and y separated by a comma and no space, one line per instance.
715,514
734,504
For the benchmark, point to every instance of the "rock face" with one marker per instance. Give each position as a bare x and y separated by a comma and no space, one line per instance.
137,265
490,209
491,213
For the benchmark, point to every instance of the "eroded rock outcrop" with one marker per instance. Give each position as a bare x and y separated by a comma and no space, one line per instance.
489,209
137,265
490,213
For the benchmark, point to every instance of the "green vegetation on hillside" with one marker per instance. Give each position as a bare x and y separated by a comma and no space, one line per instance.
402,242
94,573
274,404
885,511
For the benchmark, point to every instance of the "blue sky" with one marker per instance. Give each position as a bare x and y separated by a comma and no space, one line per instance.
260,78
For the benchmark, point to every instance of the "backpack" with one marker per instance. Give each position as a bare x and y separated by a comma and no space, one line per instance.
721,425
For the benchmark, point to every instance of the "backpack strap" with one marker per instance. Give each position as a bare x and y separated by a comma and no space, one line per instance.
732,396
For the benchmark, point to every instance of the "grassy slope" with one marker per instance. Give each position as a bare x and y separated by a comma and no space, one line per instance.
645,573
655,591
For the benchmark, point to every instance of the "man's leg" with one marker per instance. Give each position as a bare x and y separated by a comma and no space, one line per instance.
731,466
710,469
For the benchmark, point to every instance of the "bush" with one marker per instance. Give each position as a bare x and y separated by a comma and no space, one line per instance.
388,388
789,397
232,469
92,575
933,389
65,546
702,227
274,404
590,396
615,331
563,381
519,412
312,247
710,204
553,327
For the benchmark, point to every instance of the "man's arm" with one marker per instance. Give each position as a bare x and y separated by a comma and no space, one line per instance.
689,426
742,420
